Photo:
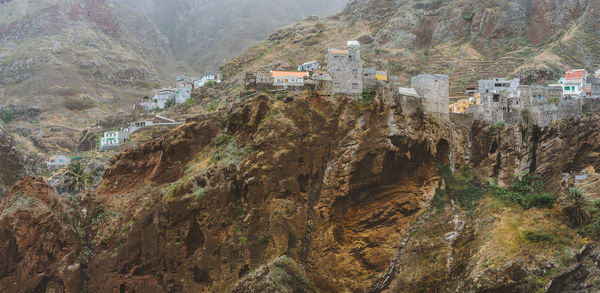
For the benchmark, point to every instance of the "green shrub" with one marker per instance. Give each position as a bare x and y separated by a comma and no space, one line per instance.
221,138
243,240
170,103
539,236
212,106
263,239
525,115
281,96
9,115
267,117
210,83
366,100
461,187
78,104
228,152
470,16
498,125
527,191
188,104
199,191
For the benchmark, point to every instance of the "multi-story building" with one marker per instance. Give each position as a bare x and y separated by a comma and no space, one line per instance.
573,82
182,94
163,97
499,85
213,78
114,139
434,90
346,69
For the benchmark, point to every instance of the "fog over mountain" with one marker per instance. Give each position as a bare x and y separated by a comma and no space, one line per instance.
205,33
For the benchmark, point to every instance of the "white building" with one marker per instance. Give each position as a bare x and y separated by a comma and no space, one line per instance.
499,85
353,44
163,97
135,126
183,94
574,81
288,78
57,162
216,78
114,139
310,66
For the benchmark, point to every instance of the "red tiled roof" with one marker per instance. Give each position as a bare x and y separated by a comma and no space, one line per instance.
575,74
336,51
288,74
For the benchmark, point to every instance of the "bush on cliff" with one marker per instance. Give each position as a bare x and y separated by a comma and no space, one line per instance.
526,191
462,187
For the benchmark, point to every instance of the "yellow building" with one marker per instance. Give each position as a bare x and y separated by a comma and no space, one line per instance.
381,76
460,106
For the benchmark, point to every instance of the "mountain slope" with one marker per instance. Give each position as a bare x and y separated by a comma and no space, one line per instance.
204,34
469,40
76,61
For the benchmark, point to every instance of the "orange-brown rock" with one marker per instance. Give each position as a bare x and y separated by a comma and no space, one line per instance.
39,249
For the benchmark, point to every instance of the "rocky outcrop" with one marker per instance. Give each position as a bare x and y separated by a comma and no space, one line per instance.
324,182
563,147
40,250
14,163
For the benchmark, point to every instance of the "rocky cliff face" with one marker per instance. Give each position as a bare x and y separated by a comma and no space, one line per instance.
312,194
14,163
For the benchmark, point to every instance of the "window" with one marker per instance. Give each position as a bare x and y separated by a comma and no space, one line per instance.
355,85
496,98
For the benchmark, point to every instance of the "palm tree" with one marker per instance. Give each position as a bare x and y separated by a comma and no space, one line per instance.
77,177
576,208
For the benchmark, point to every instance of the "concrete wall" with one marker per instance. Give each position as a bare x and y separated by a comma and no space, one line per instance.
463,120
369,80
434,89
496,85
183,94
346,71
547,104
591,106
596,90
291,81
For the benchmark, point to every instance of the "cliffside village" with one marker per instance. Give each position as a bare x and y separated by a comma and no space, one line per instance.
497,100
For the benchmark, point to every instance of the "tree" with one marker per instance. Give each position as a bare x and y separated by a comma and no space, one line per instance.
77,178
169,103
525,113
576,208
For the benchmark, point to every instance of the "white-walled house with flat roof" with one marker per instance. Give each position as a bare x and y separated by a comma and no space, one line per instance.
114,140
288,78
57,162
183,94
574,81
163,97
